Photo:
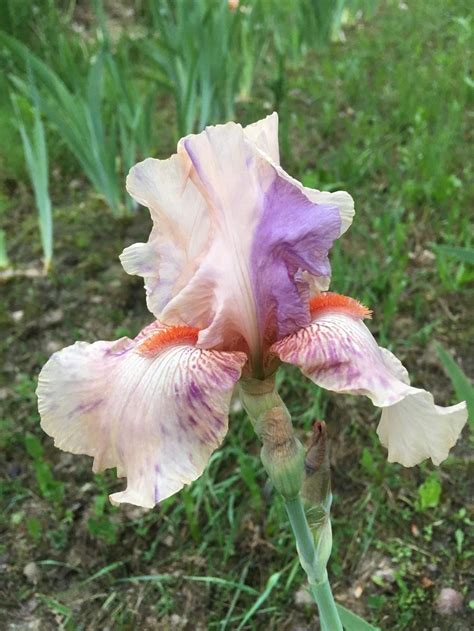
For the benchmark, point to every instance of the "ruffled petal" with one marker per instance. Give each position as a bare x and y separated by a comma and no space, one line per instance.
267,233
343,202
237,245
264,135
155,407
337,352
415,429
340,199
180,233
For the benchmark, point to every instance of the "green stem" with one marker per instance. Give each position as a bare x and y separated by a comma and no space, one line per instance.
328,614
317,577
283,460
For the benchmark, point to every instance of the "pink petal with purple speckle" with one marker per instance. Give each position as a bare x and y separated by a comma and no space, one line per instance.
337,352
157,418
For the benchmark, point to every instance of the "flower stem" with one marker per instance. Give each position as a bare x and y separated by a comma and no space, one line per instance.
294,475
317,577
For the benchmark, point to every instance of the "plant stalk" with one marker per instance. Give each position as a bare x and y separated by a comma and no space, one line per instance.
283,458
317,577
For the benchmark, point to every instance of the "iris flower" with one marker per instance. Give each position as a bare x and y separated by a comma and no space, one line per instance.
236,273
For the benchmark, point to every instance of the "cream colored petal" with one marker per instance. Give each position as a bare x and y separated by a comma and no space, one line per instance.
264,134
232,239
341,199
415,429
181,228
265,232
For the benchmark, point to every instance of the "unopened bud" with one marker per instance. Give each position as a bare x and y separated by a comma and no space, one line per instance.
323,544
282,454
316,489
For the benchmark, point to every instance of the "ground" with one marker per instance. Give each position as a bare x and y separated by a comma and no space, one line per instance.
382,115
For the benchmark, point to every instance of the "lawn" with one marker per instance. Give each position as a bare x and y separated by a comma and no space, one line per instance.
382,112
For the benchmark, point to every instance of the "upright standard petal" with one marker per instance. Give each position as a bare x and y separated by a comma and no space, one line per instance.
264,135
267,233
180,233
242,283
155,407
337,352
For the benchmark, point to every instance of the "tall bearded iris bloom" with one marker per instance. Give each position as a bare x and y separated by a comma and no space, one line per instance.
236,273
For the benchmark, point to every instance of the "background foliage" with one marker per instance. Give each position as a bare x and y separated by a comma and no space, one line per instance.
373,98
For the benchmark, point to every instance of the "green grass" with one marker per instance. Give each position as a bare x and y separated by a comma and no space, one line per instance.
382,115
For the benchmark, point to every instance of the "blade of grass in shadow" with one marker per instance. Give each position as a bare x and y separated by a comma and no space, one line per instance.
463,255
235,598
272,581
103,572
4,262
36,157
77,118
213,580
461,383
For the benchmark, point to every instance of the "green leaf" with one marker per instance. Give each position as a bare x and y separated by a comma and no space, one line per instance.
353,622
463,255
429,493
78,117
461,383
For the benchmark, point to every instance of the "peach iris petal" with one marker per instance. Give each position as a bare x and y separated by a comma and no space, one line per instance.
208,262
264,135
337,352
180,233
155,407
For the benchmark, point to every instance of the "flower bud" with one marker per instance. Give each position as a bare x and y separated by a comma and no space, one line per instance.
282,454
316,489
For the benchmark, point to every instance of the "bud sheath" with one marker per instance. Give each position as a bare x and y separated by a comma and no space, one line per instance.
282,454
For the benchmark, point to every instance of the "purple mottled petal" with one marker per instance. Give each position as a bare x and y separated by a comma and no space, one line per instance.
157,416
338,352
294,235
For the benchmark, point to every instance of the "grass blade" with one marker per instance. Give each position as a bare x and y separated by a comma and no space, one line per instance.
272,581
4,262
103,572
463,255
461,383
36,157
